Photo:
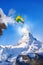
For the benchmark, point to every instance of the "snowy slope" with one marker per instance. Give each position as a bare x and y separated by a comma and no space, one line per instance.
27,44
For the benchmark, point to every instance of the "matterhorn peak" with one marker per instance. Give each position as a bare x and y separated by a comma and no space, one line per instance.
26,32
25,37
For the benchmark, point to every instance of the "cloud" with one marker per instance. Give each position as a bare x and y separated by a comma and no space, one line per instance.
24,29
9,20
11,12
6,19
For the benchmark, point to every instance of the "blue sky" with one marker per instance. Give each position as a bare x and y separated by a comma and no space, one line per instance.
32,12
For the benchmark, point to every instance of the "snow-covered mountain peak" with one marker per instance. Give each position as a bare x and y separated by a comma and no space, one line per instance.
26,37
27,44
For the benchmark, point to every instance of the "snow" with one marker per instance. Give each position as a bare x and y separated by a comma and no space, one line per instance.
6,19
27,44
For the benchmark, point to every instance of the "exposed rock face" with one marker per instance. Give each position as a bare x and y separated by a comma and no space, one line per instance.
27,60
2,26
